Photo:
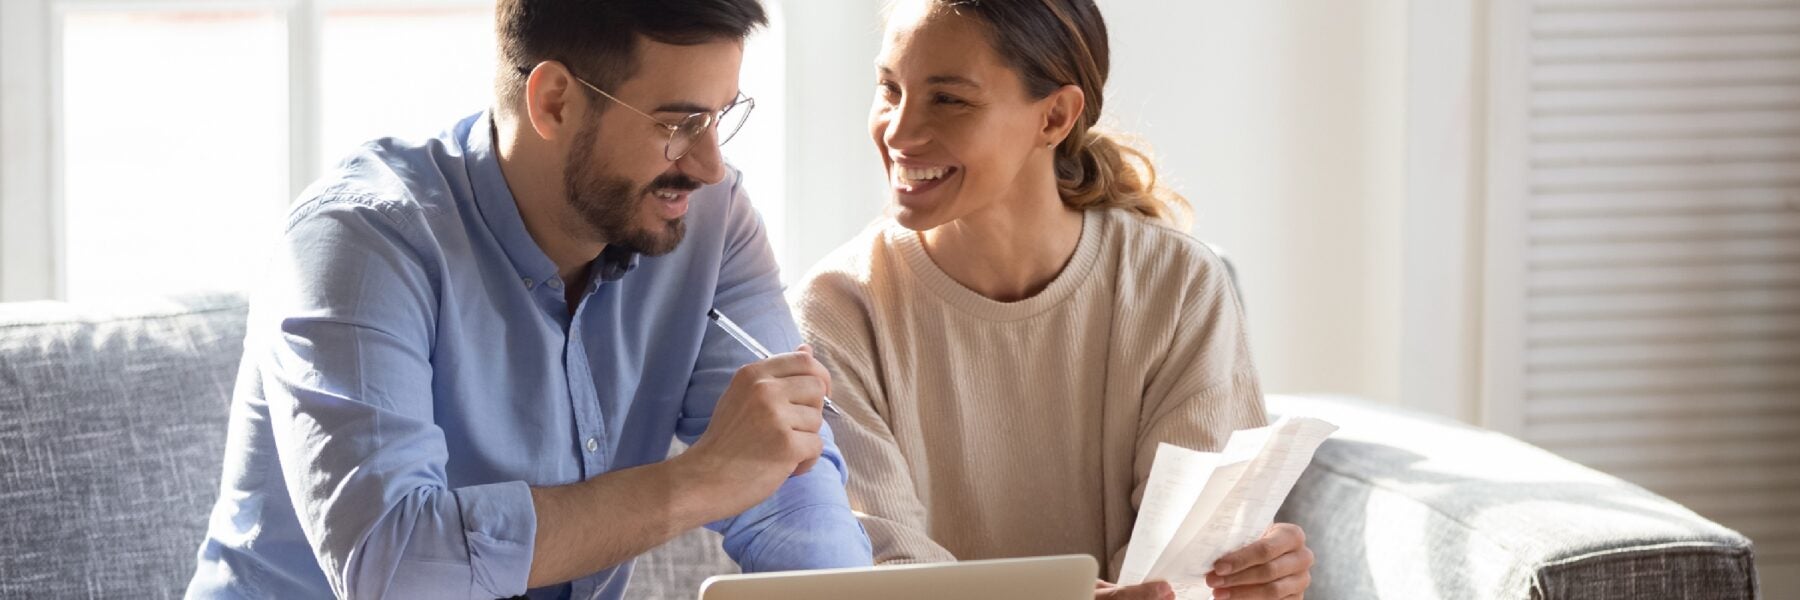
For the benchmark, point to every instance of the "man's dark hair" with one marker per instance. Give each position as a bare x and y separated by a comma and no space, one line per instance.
596,38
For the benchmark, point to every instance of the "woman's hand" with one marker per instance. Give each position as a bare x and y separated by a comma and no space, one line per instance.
1276,567
1149,590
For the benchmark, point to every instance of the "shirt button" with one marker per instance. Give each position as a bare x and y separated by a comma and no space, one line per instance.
555,284
593,445
527,283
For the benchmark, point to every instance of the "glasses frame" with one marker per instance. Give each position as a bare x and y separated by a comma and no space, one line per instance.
697,123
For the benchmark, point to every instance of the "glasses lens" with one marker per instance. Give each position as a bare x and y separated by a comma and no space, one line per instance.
695,125
681,137
733,119
688,130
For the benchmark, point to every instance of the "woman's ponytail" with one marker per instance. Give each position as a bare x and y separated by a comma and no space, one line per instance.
1098,170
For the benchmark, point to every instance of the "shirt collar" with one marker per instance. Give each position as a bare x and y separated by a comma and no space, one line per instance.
500,211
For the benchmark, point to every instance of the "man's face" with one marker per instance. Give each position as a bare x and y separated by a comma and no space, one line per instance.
619,182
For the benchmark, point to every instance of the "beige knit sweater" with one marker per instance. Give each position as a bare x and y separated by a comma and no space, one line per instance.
982,429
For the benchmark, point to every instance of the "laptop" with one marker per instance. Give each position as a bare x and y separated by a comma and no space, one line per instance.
1068,577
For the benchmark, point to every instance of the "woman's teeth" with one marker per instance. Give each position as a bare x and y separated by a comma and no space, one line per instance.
909,175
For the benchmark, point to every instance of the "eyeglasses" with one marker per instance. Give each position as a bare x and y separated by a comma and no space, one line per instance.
726,122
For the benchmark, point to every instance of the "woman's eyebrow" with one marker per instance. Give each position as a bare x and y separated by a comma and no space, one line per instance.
956,80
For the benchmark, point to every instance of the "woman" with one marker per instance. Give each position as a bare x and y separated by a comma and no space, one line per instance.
1012,347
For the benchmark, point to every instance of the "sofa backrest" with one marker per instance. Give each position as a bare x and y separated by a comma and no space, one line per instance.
112,427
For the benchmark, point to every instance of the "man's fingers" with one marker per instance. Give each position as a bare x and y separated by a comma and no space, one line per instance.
1281,538
799,391
792,364
788,365
819,367
804,392
805,417
811,447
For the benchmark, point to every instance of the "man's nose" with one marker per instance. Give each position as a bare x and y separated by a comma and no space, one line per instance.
704,160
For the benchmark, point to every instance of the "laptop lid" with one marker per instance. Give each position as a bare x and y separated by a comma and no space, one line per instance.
1069,577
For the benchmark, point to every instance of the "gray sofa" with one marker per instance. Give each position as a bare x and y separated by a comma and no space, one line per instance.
112,423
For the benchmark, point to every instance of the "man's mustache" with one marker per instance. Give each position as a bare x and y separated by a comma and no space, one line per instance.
675,181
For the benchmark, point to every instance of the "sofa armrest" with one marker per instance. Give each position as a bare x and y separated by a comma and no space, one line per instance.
1403,505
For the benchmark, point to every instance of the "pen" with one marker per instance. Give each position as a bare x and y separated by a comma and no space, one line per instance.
743,338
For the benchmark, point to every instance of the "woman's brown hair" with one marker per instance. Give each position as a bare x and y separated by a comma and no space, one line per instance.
1053,43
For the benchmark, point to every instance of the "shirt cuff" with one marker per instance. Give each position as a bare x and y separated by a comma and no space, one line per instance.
822,536
500,524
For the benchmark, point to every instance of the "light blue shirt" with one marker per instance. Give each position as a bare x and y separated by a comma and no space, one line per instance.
411,367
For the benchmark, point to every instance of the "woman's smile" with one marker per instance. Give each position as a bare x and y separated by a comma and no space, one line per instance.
912,178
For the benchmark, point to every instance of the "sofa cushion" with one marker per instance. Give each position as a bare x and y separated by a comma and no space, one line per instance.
112,426
1401,505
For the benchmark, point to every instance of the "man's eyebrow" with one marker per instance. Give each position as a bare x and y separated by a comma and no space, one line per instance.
686,107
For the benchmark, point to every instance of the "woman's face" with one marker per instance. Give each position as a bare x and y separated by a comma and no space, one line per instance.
954,125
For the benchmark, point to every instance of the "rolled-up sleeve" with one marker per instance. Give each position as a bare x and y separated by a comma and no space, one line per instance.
345,357
807,523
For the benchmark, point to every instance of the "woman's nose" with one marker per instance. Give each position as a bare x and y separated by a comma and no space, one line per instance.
905,128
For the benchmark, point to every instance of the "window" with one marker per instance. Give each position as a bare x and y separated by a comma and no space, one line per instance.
403,72
174,137
151,146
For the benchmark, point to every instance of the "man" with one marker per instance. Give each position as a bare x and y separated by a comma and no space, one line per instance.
467,367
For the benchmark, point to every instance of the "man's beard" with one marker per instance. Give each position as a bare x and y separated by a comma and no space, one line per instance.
610,206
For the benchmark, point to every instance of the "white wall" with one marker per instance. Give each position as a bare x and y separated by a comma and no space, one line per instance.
26,221
1444,227
1283,122
834,175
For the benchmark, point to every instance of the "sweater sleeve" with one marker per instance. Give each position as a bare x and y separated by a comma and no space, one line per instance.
882,491
1203,388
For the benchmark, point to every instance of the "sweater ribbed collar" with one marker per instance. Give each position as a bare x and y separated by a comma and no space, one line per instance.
1073,275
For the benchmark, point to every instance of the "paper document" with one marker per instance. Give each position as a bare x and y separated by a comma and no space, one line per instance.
1198,506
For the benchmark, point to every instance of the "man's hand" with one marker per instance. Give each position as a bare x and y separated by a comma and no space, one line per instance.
764,429
1276,567
1149,590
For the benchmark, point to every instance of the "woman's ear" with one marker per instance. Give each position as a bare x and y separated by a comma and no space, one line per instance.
1065,106
549,99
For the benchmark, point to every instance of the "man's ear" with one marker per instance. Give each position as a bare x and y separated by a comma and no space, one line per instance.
552,104
1064,108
